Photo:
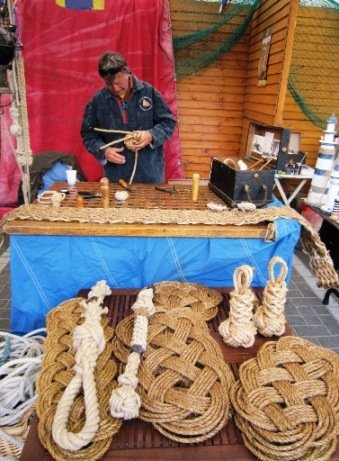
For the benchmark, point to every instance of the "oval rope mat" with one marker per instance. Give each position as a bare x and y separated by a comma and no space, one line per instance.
287,401
169,295
184,382
57,372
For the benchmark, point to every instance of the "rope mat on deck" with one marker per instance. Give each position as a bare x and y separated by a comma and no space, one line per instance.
184,383
58,372
320,260
287,401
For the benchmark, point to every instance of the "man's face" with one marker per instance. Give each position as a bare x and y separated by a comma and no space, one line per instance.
118,84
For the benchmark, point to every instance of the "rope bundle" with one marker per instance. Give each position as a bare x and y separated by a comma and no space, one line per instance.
61,368
269,317
287,401
239,329
184,382
20,361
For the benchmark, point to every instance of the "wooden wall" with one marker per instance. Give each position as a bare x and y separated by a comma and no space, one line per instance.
216,105
315,51
210,103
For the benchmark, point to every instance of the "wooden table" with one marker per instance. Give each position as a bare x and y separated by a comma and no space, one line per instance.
139,440
142,196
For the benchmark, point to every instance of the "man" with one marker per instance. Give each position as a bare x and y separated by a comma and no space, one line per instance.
127,104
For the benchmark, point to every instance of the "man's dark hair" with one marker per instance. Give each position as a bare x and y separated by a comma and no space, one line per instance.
110,63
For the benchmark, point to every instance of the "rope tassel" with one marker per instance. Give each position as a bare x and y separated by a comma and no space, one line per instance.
239,329
269,318
125,402
88,343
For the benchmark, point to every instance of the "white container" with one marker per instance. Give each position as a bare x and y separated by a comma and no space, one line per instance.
71,177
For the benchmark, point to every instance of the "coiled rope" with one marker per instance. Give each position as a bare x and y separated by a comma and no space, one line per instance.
239,329
125,402
88,343
20,360
269,317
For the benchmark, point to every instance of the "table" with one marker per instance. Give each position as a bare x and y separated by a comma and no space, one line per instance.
280,178
51,260
139,440
329,234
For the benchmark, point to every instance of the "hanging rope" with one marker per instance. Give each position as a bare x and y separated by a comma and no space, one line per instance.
238,329
269,318
88,343
125,402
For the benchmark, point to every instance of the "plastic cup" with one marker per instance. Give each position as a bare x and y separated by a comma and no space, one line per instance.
71,177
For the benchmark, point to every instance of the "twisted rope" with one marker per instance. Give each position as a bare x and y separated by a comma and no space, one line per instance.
239,329
88,343
58,370
269,317
125,401
287,401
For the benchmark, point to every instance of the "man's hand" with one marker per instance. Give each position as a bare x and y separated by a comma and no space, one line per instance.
141,139
112,155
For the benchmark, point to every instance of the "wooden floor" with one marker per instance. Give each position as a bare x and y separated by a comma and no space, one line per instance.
139,440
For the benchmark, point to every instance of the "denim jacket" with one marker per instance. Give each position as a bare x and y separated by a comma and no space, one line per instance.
146,110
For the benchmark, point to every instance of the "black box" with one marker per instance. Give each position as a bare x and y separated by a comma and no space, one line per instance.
268,142
235,186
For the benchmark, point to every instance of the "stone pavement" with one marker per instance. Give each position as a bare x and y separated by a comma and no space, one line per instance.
309,318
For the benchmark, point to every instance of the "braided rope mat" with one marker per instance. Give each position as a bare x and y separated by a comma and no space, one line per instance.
169,295
56,374
287,401
320,260
184,383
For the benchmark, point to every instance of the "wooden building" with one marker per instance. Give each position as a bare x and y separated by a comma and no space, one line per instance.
217,103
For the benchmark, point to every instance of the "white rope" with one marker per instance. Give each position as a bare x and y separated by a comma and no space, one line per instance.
21,358
125,402
88,343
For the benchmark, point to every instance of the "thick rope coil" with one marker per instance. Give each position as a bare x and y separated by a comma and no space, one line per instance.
88,343
21,358
238,329
269,317
125,402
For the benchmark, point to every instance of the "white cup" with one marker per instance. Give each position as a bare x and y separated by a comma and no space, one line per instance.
71,176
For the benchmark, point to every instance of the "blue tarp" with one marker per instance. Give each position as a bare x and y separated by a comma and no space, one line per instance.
46,270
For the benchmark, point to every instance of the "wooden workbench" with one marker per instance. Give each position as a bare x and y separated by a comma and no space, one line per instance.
139,440
142,196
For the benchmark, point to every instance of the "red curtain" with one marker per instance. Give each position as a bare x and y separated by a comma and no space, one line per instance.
61,47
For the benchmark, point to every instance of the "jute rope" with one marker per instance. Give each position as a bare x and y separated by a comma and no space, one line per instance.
183,379
269,317
287,401
184,382
320,259
125,402
59,369
88,344
239,329
203,300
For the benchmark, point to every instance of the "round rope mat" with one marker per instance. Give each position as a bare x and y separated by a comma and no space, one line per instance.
56,374
287,401
169,295
184,382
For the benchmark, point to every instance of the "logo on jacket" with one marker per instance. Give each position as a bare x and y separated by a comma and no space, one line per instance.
145,103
